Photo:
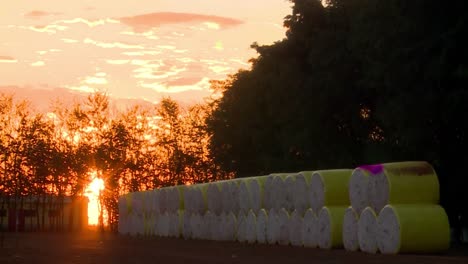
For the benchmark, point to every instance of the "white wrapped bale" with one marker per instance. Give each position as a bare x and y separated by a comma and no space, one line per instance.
250,227
196,225
226,198
257,193
411,182
251,193
359,189
244,195
163,225
241,227
413,228
283,221
200,198
162,200
146,202
173,224
268,192
214,197
186,226
330,225
137,203
234,193
155,202
329,188
147,224
230,227
273,231
207,226
350,230
217,230
310,229
261,228
367,231
289,184
295,229
278,199
300,191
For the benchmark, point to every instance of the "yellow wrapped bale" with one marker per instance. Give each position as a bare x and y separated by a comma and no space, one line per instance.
411,182
413,228
329,188
330,225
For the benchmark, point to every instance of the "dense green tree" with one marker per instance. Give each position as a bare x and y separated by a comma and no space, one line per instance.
353,82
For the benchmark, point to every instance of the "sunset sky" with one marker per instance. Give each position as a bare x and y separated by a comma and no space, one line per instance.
132,49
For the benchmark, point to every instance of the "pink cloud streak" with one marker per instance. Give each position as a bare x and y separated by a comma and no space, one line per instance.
145,21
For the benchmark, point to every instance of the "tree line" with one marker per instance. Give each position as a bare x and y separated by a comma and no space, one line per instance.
353,82
54,155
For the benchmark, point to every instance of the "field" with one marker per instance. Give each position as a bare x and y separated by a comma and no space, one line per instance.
104,248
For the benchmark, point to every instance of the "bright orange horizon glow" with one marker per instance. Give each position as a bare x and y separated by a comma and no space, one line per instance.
92,192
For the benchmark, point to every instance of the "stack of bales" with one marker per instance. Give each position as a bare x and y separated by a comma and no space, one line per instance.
394,208
325,209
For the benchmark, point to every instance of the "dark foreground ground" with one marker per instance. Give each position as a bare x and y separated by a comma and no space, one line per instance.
93,247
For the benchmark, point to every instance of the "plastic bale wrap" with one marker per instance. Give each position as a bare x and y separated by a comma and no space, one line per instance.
330,224
272,234
261,228
411,182
367,231
329,188
415,228
359,189
250,227
283,221
214,197
350,230
295,229
301,190
310,229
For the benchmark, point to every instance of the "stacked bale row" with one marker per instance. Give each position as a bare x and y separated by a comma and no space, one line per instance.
310,209
394,208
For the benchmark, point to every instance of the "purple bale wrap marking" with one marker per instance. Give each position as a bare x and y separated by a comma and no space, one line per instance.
374,169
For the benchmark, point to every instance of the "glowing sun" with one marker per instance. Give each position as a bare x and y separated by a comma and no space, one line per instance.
92,192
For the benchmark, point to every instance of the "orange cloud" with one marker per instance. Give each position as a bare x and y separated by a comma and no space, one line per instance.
7,59
184,81
146,21
36,14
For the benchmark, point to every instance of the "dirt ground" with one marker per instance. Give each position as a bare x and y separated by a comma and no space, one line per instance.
98,248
